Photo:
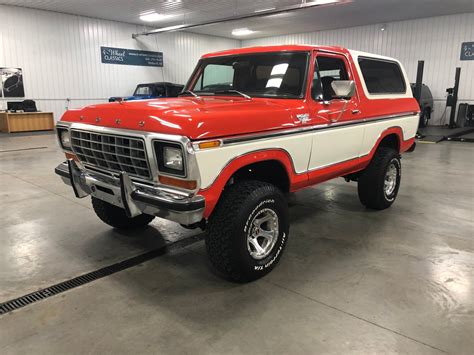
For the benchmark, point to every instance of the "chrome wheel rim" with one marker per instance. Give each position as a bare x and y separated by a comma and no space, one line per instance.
390,179
262,234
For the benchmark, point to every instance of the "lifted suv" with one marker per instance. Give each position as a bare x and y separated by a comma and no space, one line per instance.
251,125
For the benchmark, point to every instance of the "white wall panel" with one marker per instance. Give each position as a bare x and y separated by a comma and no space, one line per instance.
60,56
436,40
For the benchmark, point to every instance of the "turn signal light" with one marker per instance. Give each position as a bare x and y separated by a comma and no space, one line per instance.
209,144
71,156
184,184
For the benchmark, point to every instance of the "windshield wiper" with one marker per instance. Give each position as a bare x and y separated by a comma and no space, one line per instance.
188,92
233,92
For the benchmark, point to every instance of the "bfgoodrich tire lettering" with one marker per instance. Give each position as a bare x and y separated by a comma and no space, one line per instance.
379,183
233,222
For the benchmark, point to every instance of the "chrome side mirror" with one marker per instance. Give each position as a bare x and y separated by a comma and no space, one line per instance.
344,89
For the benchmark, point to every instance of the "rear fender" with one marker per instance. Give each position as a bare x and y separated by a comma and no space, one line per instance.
403,145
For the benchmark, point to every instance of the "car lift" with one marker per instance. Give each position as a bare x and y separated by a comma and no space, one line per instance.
460,129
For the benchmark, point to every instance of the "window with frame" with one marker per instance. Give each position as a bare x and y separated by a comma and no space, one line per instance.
327,70
382,77
279,75
142,90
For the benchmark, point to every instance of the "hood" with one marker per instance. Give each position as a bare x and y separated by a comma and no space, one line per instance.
196,118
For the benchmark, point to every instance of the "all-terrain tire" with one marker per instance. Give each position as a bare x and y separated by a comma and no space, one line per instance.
116,217
376,189
234,221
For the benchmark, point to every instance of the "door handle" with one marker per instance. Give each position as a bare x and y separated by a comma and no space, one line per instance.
355,112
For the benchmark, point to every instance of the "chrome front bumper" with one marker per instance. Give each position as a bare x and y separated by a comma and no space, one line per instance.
135,198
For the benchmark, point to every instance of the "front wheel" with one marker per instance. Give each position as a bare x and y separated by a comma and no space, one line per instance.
248,231
378,184
116,217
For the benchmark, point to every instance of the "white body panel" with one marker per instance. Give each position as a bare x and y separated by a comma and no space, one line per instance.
212,161
336,145
330,145
409,126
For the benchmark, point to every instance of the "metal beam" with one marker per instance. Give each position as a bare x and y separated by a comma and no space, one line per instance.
291,8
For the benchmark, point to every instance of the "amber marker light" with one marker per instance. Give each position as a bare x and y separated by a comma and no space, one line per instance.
184,184
209,144
71,156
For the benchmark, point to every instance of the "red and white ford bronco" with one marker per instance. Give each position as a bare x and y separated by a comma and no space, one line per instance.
251,125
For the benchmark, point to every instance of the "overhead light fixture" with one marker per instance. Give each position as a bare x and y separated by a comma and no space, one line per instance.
242,32
265,10
152,16
383,27
172,28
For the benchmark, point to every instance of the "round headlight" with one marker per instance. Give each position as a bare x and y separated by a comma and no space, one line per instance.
65,139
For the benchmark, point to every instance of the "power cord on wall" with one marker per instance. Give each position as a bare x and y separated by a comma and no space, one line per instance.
442,120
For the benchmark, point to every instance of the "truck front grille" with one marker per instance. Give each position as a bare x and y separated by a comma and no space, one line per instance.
111,152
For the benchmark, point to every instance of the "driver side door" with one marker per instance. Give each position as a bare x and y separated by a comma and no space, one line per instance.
338,136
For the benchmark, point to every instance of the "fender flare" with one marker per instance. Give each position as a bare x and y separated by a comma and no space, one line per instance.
403,145
214,191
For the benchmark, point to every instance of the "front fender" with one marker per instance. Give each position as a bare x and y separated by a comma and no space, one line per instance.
214,191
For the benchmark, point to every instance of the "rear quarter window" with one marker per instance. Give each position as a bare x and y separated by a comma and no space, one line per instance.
382,77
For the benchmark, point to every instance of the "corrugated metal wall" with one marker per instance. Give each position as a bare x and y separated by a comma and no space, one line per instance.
435,40
60,56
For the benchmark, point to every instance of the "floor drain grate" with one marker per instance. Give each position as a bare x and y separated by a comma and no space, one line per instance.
39,295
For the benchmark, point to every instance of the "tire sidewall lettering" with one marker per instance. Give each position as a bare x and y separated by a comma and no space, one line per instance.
255,211
262,265
275,257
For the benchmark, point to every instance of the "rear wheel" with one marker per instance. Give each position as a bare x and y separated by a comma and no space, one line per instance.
116,217
378,184
248,231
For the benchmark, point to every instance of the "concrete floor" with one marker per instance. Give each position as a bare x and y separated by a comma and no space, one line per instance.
351,280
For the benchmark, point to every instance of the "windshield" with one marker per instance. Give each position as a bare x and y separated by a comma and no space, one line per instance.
279,75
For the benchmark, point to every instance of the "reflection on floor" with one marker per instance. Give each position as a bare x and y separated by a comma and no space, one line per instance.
351,280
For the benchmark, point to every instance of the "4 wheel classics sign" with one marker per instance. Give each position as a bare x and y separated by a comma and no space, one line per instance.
467,51
125,56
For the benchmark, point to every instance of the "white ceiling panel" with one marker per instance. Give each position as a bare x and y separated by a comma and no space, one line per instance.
355,13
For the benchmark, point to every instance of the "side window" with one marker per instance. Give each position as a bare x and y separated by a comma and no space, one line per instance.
328,69
382,77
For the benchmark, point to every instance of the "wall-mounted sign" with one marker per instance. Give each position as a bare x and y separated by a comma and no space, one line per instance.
467,51
124,56
11,82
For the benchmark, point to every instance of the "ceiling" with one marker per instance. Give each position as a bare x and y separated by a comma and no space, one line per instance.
354,13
